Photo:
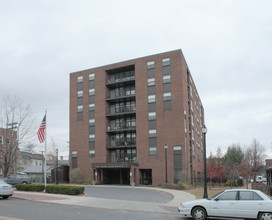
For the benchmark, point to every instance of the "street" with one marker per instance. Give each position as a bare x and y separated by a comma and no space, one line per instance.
18,209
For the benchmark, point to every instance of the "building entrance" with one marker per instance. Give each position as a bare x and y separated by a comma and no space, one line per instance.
116,176
146,176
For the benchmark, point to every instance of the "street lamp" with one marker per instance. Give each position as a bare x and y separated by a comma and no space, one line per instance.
204,131
165,150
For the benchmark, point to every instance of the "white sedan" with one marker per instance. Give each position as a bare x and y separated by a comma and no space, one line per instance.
6,190
233,203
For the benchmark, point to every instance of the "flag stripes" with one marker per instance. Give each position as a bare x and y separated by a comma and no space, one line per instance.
41,131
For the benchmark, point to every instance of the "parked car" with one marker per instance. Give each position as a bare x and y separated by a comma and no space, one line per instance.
18,178
6,190
233,203
259,179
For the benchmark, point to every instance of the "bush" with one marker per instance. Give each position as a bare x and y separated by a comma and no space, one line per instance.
237,182
89,181
30,187
62,189
76,176
178,186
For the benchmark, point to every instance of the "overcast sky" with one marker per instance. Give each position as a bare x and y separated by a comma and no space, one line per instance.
226,43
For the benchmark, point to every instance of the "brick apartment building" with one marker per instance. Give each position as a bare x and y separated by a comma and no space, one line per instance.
137,121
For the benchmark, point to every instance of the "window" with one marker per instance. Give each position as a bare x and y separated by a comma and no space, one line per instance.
1,139
150,65
80,79
74,154
247,195
91,153
166,62
176,148
152,133
151,82
152,150
167,79
151,115
166,96
91,91
91,106
228,196
79,93
92,122
91,76
91,137
151,98
80,108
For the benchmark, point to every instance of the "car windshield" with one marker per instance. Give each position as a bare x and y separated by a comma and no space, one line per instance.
2,181
215,195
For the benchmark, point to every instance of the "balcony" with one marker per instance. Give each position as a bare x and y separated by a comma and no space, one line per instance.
131,143
120,82
121,98
121,129
122,111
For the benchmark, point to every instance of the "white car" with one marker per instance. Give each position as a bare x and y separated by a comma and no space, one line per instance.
6,190
233,203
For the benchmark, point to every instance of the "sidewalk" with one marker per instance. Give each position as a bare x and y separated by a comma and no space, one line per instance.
168,208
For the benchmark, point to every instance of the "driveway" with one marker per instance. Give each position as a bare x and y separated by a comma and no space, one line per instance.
127,193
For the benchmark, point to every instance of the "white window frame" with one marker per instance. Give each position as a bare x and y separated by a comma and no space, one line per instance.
80,79
152,150
166,79
80,108
151,82
151,98
91,106
151,116
91,121
91,137
152,133
91,76
91,91
80,93
167,96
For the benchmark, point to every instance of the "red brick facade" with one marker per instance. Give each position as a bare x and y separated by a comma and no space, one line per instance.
169,125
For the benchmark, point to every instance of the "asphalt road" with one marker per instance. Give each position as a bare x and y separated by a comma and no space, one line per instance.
129,194
17,209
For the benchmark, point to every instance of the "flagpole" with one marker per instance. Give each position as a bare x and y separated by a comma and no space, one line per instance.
45,150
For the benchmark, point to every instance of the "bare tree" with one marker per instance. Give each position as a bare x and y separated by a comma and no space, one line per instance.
15,124
257,156
31,148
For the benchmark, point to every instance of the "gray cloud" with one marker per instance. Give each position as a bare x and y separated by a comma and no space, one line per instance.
227,45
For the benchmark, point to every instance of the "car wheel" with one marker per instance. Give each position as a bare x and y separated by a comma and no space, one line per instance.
265,216
5,197
199,213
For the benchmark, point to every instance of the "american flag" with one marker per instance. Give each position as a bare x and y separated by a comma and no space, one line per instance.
41,131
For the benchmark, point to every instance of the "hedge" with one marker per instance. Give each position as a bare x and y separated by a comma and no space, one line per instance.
30,187
57,189
62,189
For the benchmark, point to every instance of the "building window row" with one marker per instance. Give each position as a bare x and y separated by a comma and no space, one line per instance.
125,107
124,91
123,155
124,139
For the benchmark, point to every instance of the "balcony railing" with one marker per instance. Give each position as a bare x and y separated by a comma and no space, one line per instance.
121,110
113,80
120,128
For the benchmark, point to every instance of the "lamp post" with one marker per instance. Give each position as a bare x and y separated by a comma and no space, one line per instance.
165,150
204,131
